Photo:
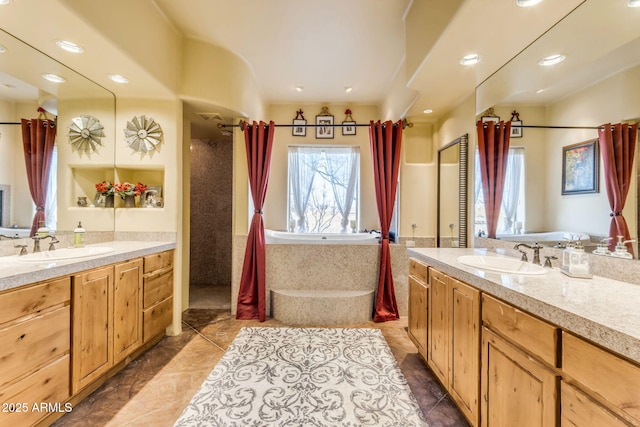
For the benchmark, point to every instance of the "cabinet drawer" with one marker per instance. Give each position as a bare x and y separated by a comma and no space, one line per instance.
158,261
157,318
417,269
24,301
579,410
602,372
49,385
157,287
30,344
537,337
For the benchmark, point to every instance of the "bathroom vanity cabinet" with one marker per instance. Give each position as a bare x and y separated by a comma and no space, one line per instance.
35,351
107,319
454,339
63,337
505,366
418,304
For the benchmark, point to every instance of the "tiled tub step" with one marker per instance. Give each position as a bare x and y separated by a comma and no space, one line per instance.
321,307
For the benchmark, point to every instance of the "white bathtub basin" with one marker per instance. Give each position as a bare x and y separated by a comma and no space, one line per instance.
501,264
64,254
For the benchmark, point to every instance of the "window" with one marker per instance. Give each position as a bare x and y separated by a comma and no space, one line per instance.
512,218
50,210
324,187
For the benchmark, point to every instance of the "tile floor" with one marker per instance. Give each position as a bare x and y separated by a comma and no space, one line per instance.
153,389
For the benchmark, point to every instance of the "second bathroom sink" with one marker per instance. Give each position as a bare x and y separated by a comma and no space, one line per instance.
501,264
64,254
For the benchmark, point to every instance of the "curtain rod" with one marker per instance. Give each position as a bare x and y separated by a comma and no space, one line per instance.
10,123
405,124
552,127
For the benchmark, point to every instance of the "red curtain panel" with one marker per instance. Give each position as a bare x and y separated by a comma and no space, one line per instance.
258,139
386,141
38,139
618,146
493,145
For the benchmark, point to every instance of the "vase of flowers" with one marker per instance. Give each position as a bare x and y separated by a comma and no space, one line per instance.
128,192
105,191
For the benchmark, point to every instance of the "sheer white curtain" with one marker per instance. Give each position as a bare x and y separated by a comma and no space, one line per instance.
343,171
511,191
50,209
303,162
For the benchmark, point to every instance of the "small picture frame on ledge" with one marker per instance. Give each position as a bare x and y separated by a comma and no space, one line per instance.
348,128
324,127
516,129
150,197
299,127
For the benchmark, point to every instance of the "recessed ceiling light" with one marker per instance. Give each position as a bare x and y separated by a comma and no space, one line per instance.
552,60
54,78
527,3
471,59
633,3
118,78
2,49
427,111
69,46
299,88
348,89
3,2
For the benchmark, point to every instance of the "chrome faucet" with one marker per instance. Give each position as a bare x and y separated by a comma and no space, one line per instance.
536,252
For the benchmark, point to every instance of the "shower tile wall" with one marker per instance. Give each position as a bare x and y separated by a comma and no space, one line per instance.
211,180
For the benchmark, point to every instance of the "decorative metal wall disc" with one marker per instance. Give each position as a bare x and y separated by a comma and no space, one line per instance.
85,133
143,134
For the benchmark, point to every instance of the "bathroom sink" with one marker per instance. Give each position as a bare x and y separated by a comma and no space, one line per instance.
64,254
501,264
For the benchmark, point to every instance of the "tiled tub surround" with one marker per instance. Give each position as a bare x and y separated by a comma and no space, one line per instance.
322,268
602,310
14,273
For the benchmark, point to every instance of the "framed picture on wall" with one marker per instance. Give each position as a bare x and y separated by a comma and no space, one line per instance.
580,168
348,128
516,129
299,127
324,127
486,119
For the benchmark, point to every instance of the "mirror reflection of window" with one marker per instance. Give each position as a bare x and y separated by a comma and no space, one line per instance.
51,210
512,211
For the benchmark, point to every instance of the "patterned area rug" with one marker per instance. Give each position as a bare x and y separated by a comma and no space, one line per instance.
305,377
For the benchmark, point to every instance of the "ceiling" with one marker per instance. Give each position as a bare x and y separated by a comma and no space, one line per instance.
322,46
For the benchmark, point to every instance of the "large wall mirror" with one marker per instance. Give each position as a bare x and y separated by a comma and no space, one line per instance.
22,91
561,107
452,194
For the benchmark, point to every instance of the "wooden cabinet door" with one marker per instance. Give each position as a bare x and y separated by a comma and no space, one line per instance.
127,305
92,308
579,410
418,294
464,381
516,389
438,328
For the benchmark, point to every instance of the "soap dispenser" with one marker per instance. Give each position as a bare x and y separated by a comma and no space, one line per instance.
577,262
78,236
621,248
603,247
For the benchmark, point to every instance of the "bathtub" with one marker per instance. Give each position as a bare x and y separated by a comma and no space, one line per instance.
21,232
549,236
273,236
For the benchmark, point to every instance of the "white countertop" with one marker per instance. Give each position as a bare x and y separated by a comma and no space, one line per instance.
14,273
602,310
